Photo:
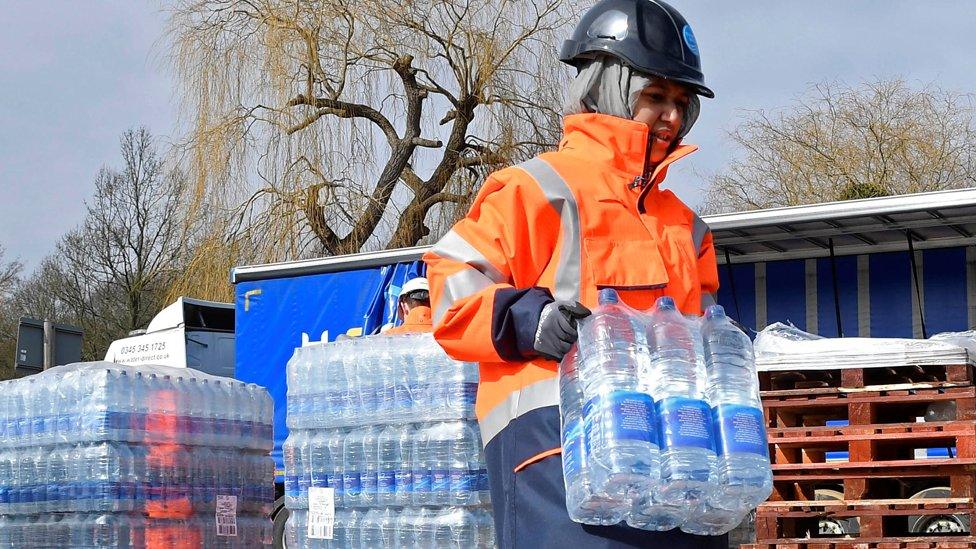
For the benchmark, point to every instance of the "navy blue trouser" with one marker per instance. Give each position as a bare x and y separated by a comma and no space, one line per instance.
530,505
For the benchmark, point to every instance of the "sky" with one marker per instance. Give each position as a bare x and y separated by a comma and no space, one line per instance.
75,75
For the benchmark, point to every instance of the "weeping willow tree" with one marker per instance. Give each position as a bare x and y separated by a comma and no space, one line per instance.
332,126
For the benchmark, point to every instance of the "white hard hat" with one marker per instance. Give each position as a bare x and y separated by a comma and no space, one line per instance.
413,285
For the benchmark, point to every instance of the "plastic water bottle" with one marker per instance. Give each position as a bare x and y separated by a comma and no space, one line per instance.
388,460
455,527
744,474
424,386
305,476
335,442
384,372
289,453
369,530
319,459
335,379
462,389
618,416
315,380
370,461
463,453
405,466
405,536
583,504
352,468
294,381
420,458
439,442
404,379
687,441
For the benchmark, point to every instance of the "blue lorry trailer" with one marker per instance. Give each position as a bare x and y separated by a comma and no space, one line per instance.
902,266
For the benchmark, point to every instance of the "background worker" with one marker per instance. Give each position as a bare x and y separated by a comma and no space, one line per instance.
510,281
413,308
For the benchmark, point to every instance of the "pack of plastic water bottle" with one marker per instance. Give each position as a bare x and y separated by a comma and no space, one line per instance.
662,425
383,428
123,453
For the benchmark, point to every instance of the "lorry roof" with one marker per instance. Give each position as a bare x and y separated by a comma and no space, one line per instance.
872,225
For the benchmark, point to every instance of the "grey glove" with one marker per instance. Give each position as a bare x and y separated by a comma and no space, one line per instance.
557,328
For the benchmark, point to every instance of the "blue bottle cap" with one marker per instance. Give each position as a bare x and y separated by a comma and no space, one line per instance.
714,311
608,296
666,303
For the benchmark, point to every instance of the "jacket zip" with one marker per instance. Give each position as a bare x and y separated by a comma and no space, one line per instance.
641,180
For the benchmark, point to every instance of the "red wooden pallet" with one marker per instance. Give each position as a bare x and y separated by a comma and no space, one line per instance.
862,377
875,442
873,518
877,479
966,542
797,408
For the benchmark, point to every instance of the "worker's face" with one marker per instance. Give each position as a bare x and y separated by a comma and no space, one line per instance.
661,105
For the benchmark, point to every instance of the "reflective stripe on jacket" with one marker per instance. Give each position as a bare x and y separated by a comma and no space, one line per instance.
562,225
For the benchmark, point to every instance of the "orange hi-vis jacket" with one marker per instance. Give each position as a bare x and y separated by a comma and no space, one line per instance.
417,321
565,224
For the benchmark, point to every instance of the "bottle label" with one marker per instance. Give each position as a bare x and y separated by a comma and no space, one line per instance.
421,480
464,393
319,480
321,513
351,483
463,480
291,485
740,429
685,423
483,485
226,515
573,448
369,481
440,480
621,415
386,482
403,481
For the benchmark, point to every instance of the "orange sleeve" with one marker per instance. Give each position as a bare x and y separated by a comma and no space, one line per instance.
708,271
486,263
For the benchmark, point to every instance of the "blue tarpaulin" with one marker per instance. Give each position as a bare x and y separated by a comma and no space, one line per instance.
276,315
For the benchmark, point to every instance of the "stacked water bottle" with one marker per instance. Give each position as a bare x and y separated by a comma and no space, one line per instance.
661,420
106,455
383,448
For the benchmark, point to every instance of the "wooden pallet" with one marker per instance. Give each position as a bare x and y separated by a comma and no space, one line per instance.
874,442
811,408
871,518
966,542
865,377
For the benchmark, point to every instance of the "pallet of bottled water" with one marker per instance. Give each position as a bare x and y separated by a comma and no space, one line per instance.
106,455
383,448
662,426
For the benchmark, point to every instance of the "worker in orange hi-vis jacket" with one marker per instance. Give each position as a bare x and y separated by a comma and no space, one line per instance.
413,308
510,281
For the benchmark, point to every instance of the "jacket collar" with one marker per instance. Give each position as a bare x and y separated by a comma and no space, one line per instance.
616,142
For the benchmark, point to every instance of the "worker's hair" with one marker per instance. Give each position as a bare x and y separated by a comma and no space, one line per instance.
418,297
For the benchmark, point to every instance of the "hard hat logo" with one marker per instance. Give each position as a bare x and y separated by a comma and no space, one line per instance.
690,40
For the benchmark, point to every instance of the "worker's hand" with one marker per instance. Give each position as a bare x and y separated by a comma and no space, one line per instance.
557,328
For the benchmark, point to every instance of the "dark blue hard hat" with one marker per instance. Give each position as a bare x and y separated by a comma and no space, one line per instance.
648,35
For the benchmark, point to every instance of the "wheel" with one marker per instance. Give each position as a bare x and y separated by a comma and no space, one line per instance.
937,524
279,517
834,527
